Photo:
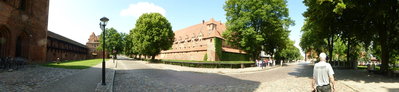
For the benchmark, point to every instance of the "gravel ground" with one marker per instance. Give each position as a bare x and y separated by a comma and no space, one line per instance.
31,77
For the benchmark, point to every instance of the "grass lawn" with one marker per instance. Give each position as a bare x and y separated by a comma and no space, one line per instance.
79,64
227,62
365,67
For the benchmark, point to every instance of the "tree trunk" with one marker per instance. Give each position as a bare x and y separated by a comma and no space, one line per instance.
331,47
384,51
152,57
348,50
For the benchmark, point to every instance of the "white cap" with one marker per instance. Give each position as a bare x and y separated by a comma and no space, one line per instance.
323,56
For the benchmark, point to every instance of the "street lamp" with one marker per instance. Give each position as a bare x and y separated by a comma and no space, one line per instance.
103,23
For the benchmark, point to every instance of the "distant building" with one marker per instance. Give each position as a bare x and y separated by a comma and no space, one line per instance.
62,48
202,42
92,44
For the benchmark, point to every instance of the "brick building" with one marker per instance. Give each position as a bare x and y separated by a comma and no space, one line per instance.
23,33
64,48
92,44
202,41
23,29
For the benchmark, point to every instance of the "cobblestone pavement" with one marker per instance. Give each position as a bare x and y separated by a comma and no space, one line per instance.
292,78
364,81
31,77
205,70
135,75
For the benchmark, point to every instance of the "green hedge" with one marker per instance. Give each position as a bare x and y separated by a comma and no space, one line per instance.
208,64
227,56
205,57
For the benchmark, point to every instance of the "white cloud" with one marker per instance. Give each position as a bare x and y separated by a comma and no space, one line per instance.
140,8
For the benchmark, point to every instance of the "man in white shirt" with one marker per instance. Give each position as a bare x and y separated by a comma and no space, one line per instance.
323,79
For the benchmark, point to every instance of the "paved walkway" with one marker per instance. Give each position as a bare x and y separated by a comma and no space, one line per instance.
204,70
83,81
135,75
32,77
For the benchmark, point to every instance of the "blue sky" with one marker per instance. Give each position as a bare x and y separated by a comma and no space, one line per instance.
77,19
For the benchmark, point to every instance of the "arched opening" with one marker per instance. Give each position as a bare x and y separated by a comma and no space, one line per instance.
5,38
22,45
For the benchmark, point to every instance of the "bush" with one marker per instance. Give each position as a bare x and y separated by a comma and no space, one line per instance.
227,56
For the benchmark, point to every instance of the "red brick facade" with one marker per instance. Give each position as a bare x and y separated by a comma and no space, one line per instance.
23,29
194,42
92,45
64,49
23,33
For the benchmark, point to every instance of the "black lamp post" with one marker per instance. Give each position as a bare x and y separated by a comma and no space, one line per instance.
103,23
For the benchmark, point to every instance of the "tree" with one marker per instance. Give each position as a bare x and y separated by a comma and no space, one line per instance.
256,23
289,53
152,33
368,22
113,41
127,44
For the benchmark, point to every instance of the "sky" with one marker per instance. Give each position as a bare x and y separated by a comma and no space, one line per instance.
77,19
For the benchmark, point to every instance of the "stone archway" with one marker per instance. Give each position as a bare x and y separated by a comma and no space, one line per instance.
22,45
5,40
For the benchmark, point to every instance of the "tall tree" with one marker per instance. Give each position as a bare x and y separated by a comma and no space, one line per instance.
152,33
370,22
113,41
289,53
256,23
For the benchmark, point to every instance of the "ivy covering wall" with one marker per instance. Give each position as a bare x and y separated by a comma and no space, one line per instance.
218,47
227,56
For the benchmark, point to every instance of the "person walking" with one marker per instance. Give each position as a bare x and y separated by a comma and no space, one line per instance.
323,76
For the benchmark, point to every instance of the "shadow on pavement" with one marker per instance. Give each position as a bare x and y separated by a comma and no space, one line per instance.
393,89
306,70
171,80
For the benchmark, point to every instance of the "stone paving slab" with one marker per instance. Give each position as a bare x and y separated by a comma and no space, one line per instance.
32,77
109,79
363,81
207,70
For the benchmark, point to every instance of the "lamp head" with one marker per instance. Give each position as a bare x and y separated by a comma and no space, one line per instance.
104,20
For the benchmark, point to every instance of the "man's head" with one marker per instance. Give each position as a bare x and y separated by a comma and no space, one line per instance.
322,56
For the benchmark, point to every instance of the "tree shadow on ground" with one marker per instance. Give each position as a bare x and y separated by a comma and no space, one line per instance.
181,81
306,70
393,89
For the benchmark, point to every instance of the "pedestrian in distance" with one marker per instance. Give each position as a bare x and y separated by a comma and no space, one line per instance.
323,76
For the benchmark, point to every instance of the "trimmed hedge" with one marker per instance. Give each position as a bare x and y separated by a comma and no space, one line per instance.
209,64
227,56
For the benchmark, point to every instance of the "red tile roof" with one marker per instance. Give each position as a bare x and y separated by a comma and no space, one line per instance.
203,28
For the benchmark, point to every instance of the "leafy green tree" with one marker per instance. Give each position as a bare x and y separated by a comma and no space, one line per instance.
127,44
152,33
289,53
113,41
368,22
256,23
